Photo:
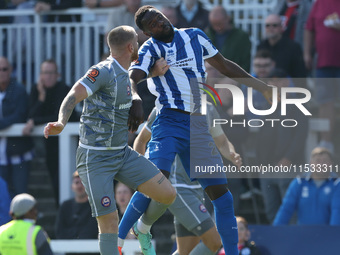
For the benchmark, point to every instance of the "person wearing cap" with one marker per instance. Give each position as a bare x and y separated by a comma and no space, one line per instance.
21,235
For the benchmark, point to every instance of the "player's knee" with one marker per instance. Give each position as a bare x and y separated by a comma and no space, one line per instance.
108,223
171,195
212,240
215,245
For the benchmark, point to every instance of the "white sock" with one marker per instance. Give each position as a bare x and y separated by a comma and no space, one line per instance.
120,242
142,227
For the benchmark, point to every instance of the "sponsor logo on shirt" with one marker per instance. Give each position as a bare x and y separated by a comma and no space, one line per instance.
125,106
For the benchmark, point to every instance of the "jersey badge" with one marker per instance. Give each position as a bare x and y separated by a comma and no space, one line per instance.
106,201
92,74
202,208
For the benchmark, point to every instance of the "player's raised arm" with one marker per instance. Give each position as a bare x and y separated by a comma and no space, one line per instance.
232,70
227,150
77,94
136,116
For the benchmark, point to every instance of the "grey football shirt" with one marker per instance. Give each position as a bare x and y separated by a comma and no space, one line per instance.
103,122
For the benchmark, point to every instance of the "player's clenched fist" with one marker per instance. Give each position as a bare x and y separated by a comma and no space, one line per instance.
53,128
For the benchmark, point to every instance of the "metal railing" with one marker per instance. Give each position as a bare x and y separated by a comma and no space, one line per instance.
76,45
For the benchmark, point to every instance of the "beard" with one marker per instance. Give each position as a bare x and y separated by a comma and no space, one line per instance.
166,36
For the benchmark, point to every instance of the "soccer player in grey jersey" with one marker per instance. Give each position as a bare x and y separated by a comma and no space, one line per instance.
103,154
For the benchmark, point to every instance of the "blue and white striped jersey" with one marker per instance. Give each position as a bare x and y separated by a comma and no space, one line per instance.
179,87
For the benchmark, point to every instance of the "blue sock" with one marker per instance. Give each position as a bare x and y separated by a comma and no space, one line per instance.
136,207
226,223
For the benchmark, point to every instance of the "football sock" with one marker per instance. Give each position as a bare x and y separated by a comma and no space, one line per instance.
201,249
143,228
120,242
136,207
154,211
108,244
226,222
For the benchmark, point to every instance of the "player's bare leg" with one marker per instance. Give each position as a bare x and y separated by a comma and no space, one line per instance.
108,233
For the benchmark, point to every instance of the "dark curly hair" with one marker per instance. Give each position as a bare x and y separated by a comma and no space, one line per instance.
139,15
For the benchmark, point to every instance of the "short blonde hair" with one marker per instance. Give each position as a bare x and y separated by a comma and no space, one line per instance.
120,36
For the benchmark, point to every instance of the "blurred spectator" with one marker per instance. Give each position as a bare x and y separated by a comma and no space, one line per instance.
92,4
54,5
15,152
311,196
123,195
21,235
245,247
233,43
263,64
5,201
294,14
45,100
125,15
279,145
74,219
323,31
190,13
286,52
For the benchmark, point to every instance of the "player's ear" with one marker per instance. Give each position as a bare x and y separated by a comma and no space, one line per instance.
130,47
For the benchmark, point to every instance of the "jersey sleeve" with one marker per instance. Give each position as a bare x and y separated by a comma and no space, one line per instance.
95,78
146,58
209,50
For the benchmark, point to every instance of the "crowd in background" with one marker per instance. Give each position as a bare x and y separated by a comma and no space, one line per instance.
302,39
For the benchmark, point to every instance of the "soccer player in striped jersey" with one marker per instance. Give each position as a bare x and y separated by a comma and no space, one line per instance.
179,128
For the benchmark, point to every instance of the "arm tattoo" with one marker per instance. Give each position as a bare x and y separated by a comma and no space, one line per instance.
66,109
161,179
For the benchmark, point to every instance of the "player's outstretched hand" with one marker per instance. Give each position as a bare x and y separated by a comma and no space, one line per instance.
53,128
160,68
236,159
268,94
136,115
